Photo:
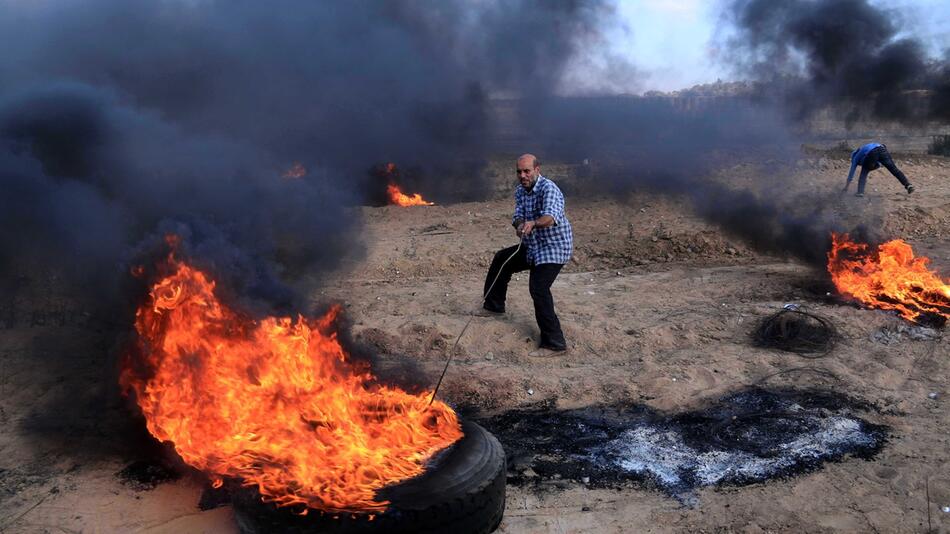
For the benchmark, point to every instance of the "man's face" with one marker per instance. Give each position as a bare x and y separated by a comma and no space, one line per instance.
527,173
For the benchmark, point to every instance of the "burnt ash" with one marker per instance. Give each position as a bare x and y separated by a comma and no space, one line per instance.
747,437
931,320
212,497
147,474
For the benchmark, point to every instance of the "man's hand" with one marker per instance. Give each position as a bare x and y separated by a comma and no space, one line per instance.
526,228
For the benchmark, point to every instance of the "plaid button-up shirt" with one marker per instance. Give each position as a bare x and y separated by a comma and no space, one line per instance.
545,245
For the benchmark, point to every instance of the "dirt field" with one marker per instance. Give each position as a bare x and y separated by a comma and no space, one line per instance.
657,307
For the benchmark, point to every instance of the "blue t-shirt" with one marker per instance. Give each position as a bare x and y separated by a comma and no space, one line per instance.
857,157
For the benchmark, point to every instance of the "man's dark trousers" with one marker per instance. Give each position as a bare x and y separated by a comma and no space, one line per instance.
875,158
539,285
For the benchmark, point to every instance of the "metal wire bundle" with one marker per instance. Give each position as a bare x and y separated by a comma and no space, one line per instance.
801,332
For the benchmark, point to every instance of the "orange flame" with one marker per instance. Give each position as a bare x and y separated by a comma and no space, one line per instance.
275,402
398,198
890,278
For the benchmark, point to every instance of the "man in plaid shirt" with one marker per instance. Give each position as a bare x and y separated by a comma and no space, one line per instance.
546,245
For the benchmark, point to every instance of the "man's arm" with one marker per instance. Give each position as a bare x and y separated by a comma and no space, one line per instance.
543,221
552,206
854,164
517,220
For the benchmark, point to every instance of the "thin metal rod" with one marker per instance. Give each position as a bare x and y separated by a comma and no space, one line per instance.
472,316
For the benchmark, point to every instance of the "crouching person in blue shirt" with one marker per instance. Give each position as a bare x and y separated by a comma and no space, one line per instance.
870,157
546,245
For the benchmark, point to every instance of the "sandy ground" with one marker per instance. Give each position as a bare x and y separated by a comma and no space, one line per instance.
657,307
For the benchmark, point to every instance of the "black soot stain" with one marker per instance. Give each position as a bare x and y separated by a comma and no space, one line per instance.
746,437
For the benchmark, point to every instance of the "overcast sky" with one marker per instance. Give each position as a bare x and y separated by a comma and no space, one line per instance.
672,41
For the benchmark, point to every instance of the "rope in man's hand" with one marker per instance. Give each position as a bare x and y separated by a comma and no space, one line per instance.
472,316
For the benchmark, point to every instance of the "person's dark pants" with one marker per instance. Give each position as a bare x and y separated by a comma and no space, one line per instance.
539,285
875,158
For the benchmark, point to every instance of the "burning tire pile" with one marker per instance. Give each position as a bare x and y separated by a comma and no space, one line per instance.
307,439
890,277
462,491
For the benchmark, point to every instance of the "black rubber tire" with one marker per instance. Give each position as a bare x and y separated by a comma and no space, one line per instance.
461,492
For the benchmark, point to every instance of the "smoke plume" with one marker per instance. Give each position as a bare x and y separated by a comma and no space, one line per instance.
121,121
244,128
847,55
847,58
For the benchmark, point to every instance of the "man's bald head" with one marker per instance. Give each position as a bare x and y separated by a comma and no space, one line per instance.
529,160
528,168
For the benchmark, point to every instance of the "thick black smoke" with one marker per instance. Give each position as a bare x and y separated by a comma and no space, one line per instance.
87,178
121,121
677,146
846,58
854,58
124,121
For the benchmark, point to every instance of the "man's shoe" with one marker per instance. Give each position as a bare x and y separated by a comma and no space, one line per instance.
859,194
910,189
485,312
547,351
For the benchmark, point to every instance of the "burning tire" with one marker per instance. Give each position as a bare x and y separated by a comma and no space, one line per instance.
462,492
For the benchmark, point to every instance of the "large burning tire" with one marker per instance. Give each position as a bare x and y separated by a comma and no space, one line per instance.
461,492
